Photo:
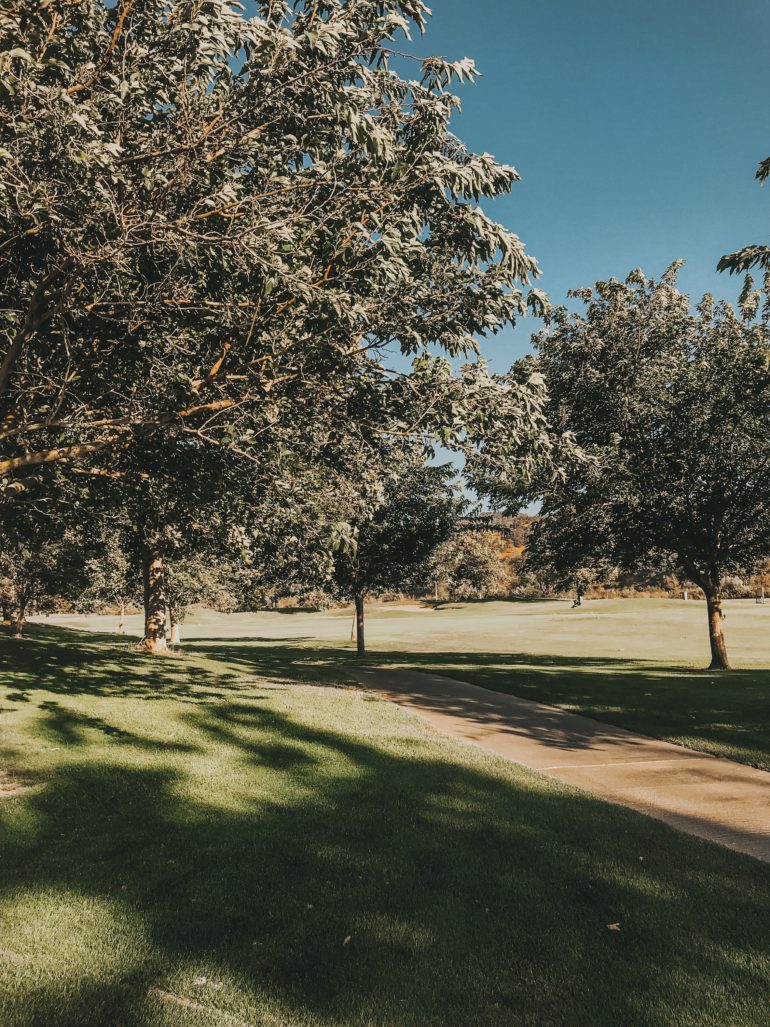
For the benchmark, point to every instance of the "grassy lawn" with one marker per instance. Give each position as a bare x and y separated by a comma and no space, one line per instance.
634,663
232,838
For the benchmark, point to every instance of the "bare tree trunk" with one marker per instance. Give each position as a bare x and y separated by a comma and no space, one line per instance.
173,624
360,641
716,616
121,622
154,602
20,618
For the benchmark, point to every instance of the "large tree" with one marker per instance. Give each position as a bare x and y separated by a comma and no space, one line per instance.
222,226
672,409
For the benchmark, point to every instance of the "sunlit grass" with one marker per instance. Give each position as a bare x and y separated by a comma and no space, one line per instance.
214,839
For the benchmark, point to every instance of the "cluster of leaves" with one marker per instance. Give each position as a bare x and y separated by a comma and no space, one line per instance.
218,226
671,408
474,564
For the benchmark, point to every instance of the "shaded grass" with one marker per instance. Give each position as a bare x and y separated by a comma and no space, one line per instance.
198,837
727,715
628,662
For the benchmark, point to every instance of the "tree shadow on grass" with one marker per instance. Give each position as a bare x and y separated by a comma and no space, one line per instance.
469,893
727,714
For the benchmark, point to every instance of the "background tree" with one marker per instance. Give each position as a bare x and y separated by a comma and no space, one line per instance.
672,408
759,582
474,564
391,541
567,547
39,569
113,577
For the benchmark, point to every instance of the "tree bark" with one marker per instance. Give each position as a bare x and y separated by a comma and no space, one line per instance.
121,624
719,660
173,625
7,612
20,618
154,602
360,641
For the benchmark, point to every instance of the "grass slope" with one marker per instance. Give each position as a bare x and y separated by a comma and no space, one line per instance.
218,840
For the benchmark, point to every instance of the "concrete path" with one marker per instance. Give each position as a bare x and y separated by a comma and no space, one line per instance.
714,798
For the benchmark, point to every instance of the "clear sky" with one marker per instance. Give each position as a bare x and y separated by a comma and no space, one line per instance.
636,126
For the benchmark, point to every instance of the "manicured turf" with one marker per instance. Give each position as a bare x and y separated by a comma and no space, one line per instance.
635,663
216,840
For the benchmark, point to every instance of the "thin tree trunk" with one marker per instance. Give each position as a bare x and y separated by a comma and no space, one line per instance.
121,622
154,602
7,612
719,659
360,641
173,624
20,618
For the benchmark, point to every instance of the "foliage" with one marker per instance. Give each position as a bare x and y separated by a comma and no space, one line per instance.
39,569
672,408
393,539
474,565
755,256
112,575
197,580
219,227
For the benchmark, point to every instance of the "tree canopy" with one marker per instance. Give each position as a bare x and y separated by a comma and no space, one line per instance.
221,226
671,408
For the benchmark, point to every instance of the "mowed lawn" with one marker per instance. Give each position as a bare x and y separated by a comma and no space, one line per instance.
234,836
635,663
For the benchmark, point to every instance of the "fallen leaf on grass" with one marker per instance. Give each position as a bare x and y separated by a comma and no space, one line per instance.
346,940
613,927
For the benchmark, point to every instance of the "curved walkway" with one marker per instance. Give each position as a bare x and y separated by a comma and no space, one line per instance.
714,798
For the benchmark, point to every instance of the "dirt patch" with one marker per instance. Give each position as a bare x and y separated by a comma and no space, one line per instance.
12,784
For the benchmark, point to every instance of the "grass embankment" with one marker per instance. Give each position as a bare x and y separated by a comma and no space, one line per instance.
217,840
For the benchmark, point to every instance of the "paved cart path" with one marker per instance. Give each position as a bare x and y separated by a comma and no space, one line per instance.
714,798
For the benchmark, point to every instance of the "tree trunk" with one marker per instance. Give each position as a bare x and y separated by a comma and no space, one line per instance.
20,618
173,624
7,612
154,602
121,624
719,659
360,642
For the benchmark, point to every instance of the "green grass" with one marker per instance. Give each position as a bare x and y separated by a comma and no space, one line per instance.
634,663
192,840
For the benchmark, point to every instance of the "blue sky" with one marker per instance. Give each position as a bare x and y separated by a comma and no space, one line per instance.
636,128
